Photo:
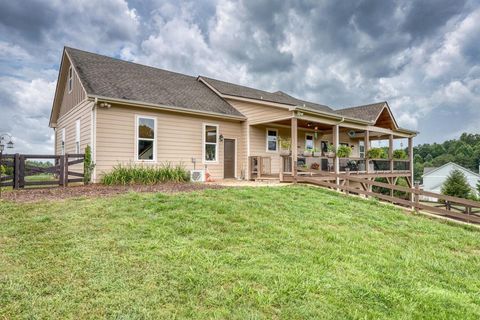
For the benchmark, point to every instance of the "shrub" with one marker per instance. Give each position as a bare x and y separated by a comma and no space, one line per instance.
88,165
344,151
133,174
457,185
377,153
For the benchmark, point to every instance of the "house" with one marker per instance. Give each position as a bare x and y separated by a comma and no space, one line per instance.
132,113
434,178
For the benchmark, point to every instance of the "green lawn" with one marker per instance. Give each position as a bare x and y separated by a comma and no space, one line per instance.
250,253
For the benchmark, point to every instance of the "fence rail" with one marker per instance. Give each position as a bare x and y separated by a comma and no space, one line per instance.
452,207
20,172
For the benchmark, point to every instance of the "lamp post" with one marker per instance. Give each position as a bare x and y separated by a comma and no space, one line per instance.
9,145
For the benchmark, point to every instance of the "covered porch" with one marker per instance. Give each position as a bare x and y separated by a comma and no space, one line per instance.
303,145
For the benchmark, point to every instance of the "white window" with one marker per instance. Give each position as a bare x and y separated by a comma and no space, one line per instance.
309,142
77,136
210,142
70,79
146,134
62,146
361,148
272,140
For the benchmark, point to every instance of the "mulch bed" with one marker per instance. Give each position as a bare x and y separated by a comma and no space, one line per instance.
98,190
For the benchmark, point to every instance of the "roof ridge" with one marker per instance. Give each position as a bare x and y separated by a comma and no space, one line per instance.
278,93
240,85
363,105
130,62
455,164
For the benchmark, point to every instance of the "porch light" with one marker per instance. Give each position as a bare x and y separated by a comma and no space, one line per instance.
2,143
221,137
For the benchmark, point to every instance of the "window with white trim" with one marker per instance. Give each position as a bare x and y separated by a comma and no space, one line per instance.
309,142
210,142
272,140
62,143
146,133
77,136
70,79
361,148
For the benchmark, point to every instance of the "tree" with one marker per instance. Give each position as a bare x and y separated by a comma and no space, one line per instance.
457,185
88,165
418,158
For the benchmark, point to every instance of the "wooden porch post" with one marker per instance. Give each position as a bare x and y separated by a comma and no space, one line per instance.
294,135
335,133
390,151
367,147
336,160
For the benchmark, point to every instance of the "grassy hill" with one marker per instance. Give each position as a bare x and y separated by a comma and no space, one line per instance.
288,252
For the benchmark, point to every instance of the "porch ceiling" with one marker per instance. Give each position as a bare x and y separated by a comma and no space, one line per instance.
306,124
303,124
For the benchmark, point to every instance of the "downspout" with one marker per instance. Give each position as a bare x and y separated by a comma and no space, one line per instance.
93,133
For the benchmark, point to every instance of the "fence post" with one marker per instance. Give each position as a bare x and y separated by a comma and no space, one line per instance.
21,176
16,170
416,196
61,171
66,171
468,211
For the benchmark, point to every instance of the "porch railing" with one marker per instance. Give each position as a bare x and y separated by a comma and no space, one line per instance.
353,164
401,165
260,166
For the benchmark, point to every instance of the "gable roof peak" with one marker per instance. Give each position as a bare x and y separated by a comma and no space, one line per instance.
113,78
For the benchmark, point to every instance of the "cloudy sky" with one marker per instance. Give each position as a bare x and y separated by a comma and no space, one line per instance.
422,56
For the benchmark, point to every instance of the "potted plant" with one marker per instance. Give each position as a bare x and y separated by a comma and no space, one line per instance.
307,152
330,151
400,154
377,153
317,152
344,151
285,146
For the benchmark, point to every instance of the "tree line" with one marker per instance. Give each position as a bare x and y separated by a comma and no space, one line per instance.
464,151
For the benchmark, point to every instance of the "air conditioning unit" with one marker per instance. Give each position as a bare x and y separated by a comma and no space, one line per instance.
197,175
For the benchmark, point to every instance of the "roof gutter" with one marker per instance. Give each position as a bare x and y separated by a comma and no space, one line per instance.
141,104
330,115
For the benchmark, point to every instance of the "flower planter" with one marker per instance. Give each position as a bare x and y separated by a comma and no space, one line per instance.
330,154
307,153
317,154
285,152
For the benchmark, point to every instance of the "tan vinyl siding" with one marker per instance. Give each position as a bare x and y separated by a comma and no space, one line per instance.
82,112
77,95
179,138
259,113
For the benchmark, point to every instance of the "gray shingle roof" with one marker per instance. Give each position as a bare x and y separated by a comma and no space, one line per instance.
118,79
277,97
113,78
367,112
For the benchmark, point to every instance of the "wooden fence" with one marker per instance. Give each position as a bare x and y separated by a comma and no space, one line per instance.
20,171
448,206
